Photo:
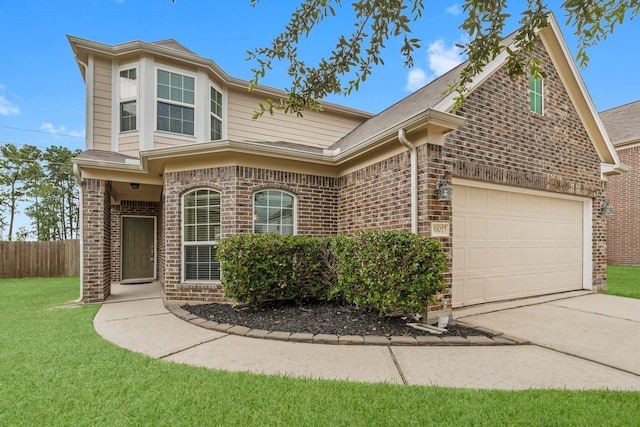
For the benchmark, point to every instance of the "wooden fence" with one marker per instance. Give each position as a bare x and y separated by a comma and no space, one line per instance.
39,259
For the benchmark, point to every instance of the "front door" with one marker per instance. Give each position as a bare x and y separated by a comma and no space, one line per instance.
138,248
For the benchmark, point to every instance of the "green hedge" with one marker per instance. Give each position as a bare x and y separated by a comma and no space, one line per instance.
259,267
386,271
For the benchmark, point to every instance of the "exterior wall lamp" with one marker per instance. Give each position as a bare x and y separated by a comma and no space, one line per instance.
444,189
606,209
135,185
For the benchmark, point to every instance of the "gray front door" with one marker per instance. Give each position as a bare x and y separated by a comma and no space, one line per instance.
138,248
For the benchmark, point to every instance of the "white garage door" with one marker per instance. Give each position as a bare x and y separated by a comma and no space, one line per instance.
509,244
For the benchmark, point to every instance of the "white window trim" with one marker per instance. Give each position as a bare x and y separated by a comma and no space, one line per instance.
541,113
295,208
120,100
183,243
181,104
223,130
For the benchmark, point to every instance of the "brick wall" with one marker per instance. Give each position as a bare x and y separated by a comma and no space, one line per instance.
503,142
96,240
130,208
316,212
623,227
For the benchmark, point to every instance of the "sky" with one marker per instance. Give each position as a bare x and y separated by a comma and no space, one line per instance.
42,94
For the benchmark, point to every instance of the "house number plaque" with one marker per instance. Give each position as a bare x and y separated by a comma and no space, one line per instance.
439,229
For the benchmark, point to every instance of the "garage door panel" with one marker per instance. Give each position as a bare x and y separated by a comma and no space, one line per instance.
520,245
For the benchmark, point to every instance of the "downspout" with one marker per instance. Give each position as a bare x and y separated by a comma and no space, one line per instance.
413,153
78,175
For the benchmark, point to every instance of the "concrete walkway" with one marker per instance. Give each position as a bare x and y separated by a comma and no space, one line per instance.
583,341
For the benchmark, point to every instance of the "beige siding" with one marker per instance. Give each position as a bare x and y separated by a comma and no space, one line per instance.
102,105
314,129
165,140
129,145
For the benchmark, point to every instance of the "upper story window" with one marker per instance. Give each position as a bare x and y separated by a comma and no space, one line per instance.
128,99
216,115
535,94
176,94
273,212
201,233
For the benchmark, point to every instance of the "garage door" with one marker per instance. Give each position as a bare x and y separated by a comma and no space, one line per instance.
509,244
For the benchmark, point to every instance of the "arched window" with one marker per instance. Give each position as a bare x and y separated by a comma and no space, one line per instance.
274,212
201,233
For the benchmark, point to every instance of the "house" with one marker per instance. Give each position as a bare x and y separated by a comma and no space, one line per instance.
174,163
623,225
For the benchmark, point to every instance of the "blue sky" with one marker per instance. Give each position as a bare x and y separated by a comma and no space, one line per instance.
42,93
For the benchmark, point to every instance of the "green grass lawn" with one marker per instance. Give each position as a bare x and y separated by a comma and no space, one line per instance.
56,371
623,281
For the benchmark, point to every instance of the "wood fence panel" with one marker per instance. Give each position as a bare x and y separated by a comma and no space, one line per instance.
39,259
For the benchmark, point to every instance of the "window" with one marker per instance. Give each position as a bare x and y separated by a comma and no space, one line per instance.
201,233
216,115
177,114
535,94
273,212
128,104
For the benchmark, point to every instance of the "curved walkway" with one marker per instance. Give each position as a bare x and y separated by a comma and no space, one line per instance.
582,341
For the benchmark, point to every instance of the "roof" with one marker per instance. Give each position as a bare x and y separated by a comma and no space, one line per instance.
623,123
106,156
172,44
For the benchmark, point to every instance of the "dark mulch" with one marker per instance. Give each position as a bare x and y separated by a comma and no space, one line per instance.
316,318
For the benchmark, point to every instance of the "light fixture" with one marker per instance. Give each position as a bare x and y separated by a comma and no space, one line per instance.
606,209
135,185
443,188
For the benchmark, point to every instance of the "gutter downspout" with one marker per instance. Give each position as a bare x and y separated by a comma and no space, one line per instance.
78,175
413,153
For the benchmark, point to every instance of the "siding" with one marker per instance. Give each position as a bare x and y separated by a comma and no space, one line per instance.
314,129
102,105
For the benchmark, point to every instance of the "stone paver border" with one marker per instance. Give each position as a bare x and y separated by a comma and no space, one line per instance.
426,340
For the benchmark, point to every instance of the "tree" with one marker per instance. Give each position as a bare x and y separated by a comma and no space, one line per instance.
376,21
17,168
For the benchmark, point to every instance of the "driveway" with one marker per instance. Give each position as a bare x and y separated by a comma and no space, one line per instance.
595,327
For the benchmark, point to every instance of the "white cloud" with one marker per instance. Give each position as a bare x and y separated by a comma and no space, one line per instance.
7,108
442,58
416,79
62,130
454,9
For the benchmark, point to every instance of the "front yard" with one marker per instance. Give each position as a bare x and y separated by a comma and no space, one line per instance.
56,370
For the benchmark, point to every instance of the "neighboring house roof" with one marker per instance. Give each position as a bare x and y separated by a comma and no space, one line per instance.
623,123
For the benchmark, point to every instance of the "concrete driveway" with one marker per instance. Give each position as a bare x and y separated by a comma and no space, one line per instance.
577,341
595,327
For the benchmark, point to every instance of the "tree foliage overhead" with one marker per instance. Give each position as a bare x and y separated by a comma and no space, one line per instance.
377,21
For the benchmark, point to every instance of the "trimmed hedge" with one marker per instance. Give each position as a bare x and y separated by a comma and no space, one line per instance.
259,267
386,271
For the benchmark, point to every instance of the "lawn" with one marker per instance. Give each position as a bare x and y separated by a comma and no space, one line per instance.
56,371
623,281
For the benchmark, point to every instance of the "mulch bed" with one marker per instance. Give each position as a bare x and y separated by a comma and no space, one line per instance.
317,318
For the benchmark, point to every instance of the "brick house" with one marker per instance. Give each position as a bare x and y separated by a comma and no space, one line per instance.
174,163
623,226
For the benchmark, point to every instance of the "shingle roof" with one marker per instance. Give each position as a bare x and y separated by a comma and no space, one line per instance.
105,156
622,123
171,43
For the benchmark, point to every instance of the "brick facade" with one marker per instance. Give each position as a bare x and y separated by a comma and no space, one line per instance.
96,235
623,246
503,142
316,198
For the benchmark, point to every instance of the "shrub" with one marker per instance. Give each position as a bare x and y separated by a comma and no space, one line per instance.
388,271
259,267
